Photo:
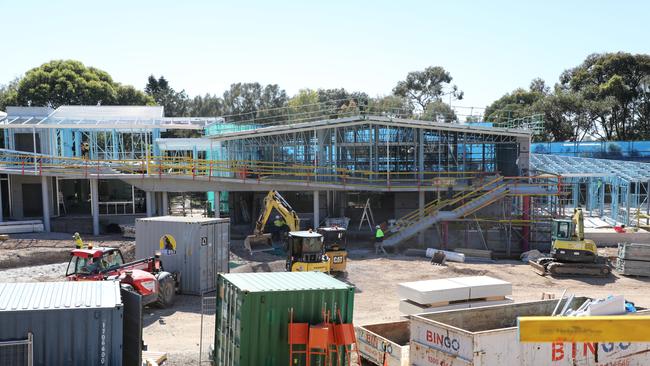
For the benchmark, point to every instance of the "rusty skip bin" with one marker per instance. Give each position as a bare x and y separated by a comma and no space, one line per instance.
488,336
384,343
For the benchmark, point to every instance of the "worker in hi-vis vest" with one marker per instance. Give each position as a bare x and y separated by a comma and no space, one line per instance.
379,239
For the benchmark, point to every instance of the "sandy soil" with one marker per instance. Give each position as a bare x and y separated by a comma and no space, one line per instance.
178,330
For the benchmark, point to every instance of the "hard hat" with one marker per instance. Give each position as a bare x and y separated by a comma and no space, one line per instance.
277,217
377,227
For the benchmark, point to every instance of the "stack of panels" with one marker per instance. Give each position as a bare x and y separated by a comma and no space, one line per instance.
453,293
633,259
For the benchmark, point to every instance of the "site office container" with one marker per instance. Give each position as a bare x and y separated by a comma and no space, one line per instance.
72,323
385,343
253,310
197,248
488,336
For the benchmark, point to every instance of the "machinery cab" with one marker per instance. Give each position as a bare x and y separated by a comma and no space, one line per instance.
92,262
568,243
306,252
562,230
335,242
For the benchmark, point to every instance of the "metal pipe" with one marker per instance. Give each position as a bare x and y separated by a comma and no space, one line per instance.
558,303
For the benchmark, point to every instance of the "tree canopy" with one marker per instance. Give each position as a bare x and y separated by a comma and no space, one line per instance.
61,82
605,97
424,87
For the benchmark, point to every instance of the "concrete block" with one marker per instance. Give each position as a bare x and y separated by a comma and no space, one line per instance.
433,291
453,289
485,286
407,307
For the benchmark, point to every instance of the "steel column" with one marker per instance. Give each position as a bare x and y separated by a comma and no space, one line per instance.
94,203
46,203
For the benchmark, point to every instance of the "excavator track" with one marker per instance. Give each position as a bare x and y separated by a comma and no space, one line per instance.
577,269
549,266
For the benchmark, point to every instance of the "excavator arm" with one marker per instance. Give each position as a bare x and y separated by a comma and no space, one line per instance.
274,200
579,223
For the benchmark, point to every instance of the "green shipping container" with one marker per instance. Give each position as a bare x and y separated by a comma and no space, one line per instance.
253,313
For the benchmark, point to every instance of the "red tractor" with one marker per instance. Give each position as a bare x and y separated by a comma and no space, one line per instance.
144,276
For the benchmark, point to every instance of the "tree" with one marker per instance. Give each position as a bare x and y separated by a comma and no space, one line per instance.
175,104
439,111
424,87
8,94
614,87
518,103
248,101
61,82
304,105
128,95
206,106
391,105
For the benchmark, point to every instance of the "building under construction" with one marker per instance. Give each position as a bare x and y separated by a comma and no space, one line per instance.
433,183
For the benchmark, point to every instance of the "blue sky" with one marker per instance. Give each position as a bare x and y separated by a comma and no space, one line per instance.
490,47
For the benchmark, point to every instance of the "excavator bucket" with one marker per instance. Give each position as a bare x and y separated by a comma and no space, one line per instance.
258,243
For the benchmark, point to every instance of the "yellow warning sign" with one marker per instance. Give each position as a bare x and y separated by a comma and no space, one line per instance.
167,244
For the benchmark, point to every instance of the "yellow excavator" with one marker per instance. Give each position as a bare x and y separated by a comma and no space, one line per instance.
305,249
261,241
571,253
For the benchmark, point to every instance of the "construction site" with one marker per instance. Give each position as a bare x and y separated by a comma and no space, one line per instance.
434,241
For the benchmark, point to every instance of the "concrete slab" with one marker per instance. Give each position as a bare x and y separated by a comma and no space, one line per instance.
407,307
433,291
453,289
485,286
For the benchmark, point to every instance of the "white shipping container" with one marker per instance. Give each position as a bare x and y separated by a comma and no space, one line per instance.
197,248
488,336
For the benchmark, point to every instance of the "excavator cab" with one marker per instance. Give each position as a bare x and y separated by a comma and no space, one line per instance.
306,252
562,230
335,241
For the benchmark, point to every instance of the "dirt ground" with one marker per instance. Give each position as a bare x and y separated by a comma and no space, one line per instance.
178,330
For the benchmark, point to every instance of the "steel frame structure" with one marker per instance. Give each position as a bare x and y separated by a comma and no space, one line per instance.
614,190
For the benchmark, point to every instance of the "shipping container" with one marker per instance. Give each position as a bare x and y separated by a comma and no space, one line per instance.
197,248
70,323
384,344
253,313
488,336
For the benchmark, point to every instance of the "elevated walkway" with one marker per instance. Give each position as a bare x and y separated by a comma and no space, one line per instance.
181,174
462,205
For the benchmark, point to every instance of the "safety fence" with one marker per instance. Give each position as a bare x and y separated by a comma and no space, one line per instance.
208,318
245,171
17,352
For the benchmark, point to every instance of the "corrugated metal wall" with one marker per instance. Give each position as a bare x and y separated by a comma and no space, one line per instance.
202,248
73,323
252,327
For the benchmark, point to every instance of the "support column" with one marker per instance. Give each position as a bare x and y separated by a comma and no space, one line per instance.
316,210
165,203
46,203
421,207
149,199
217,203
525,231
94,203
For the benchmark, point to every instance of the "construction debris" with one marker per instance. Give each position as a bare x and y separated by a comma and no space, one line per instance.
475,253
633,259
450,256
16,227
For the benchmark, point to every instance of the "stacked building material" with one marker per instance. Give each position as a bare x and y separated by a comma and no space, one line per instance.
453,293
633,259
